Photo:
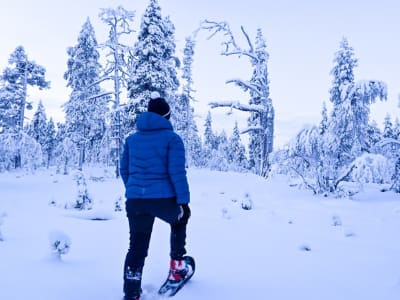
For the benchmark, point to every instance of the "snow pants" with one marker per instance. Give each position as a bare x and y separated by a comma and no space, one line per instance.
141,214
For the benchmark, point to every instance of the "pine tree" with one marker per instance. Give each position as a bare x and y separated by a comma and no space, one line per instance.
87,106
15,79
153,64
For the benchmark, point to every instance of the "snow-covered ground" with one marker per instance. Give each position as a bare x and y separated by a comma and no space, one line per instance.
291,245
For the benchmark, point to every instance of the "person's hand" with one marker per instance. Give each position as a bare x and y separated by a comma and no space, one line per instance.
184,211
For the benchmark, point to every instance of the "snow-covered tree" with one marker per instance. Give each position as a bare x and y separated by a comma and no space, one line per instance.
374,134
49,142
2,216
261,120
153,62
66,155
388,127
182,117
16,78
30,152
371,168
9,149
323,125
210,139
39,125
396,129
60,243
348,126
324,160
84,200
87,105
396,177
119,22
236,152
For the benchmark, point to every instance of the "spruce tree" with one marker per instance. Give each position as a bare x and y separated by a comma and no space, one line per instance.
39,124
153,62
236,151
351,101
388,128
50,142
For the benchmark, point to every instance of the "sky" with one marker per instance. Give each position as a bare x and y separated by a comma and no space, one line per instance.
301,37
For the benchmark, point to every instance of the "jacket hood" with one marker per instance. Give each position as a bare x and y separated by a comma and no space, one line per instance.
148,121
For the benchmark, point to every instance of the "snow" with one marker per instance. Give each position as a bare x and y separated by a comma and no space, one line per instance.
290,245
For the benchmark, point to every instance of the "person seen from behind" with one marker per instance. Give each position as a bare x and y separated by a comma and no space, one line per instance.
153,171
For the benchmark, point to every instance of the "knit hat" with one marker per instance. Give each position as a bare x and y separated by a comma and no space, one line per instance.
159,106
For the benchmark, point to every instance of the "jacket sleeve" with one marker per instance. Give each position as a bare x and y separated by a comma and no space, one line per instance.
124,163
177,170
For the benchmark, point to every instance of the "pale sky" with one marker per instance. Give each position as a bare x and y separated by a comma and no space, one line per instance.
302,37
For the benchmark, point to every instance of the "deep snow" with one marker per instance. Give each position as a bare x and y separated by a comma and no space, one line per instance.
291,245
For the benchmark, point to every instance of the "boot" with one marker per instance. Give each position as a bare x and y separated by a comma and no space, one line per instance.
178,271
132,284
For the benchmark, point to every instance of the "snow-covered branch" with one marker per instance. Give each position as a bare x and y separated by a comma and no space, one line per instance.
247,85
239,106
100,95
230,45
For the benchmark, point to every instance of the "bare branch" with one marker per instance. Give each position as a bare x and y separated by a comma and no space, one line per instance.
251,50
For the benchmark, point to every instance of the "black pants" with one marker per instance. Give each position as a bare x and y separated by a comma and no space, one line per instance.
141,214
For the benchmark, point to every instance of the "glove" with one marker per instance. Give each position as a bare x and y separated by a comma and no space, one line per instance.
184,212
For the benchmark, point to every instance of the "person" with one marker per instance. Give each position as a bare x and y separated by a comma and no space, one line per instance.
153,171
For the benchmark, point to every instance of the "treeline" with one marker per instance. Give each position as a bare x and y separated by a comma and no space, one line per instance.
345,146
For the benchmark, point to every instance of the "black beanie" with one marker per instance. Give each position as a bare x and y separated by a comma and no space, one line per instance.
159,106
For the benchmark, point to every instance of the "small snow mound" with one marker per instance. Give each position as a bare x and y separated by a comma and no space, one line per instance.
247,203
226,214
336,221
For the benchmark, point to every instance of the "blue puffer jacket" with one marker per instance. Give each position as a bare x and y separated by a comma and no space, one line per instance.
153,161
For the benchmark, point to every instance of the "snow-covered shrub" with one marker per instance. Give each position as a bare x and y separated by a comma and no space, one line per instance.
247,203
371,168
8,150
336,221
66,155
396,177
60,243
225,213
31,152
83,200
118,204
2,216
